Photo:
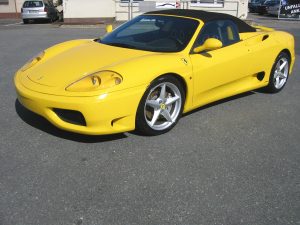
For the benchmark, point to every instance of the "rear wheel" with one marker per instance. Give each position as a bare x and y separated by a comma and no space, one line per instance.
279,74
161,106
25,21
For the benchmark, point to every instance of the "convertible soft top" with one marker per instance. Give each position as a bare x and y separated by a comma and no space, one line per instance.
206,17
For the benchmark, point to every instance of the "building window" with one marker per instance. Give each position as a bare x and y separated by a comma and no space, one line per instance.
3,2
207,3
131,0
125,3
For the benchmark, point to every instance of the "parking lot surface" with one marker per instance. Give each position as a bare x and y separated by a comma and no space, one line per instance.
233,162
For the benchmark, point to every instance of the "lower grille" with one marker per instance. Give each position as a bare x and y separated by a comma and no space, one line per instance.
70,116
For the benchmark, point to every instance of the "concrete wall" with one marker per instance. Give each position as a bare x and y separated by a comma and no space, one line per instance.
88,9
238,8
9,10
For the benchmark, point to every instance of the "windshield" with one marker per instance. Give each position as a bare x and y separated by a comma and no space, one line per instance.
153,33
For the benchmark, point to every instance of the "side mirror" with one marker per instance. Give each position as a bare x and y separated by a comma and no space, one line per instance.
109,28
209,44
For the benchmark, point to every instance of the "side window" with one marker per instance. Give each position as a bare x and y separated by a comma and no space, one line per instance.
223,30
229,32
210,30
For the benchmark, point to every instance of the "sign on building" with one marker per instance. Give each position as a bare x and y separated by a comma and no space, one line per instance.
289,9
145,6
166,5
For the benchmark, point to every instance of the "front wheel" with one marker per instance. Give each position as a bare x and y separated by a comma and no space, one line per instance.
160,107
279,73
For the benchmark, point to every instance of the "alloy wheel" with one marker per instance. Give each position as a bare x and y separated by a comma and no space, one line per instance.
162,106
281,73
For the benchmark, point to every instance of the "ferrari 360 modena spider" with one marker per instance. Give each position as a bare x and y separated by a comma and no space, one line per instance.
149,71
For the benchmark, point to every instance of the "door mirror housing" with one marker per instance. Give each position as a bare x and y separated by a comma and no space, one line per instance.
109,28
208,45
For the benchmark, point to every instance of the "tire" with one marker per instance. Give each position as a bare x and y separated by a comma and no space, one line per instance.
160,107
279,73
25,21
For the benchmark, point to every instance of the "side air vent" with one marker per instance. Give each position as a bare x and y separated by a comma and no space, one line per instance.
265,37
260,76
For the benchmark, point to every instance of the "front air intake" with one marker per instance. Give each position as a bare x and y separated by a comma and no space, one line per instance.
70,116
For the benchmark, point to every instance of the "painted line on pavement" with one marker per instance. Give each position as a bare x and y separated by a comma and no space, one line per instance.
13,24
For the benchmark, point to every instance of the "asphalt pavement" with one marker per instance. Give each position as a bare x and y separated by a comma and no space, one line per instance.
233,162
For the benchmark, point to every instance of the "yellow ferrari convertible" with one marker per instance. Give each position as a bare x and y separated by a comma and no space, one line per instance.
146,73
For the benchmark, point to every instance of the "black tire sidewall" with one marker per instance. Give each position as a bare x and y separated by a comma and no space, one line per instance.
142,126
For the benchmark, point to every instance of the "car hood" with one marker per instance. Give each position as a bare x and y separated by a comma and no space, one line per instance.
68,62
71,65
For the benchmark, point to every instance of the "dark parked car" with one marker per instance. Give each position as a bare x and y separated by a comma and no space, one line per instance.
253,5
274,8
262,9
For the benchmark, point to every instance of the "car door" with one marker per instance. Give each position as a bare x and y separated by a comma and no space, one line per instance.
219,73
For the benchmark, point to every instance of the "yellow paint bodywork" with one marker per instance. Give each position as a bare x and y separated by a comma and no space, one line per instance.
207,77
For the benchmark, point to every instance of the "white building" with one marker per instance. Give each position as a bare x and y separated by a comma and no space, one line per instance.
99,11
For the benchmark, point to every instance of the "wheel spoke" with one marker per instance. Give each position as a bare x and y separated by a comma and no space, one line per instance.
282,75
277,81
167,116
278,66
153,103
282,66
162,95
155,116
171,100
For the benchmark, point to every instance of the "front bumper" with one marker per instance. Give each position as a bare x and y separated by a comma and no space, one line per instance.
107,113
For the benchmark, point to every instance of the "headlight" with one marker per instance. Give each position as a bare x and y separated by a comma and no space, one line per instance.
33,61
96,81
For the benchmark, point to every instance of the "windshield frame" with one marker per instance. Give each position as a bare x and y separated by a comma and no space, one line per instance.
107,39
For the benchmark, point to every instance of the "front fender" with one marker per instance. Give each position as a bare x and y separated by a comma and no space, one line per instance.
145,69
